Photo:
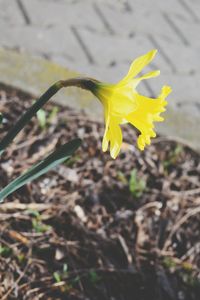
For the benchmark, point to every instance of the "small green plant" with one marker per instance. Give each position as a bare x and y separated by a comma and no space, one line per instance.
42,118
65,269
5,251
40,227
94,277
45,118
57,277
173,157
122,178
169,262
37,223
52,114
21,258
137,185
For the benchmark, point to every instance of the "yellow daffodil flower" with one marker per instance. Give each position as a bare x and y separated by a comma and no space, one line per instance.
123,104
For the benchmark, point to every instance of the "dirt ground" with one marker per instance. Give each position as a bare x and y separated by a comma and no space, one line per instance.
96,228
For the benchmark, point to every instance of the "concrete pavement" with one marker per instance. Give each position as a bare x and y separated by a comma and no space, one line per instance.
101,38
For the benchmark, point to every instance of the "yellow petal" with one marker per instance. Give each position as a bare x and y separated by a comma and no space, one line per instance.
166,90
134,82
106,136
106,139
138,64
150,75
147,112
112,134
115,138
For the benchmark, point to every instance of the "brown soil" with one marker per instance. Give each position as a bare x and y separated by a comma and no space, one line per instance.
89,229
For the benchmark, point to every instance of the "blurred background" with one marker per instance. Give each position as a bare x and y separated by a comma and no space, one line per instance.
101,38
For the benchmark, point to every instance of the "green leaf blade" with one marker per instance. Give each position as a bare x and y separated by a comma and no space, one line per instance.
51,161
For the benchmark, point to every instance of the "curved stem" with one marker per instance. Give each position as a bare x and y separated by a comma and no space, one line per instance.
85,83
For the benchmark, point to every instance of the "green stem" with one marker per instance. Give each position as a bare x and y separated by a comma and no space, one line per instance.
85,83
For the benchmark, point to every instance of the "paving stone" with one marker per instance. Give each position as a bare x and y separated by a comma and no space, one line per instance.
190,32
101,38
174,7
141,20
107,50
10,13
53,12
192,10
43,41
185,89
181,58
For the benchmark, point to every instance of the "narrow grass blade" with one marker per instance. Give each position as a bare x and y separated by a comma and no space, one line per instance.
51,161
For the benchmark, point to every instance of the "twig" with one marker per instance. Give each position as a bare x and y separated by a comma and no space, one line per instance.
182,220
195,248
11,206
185,193
5,297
